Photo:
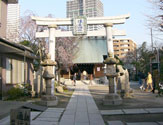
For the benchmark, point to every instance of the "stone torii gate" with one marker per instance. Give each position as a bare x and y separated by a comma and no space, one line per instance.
52,33
109,32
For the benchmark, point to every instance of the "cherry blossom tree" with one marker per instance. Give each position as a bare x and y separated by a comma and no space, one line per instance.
66,48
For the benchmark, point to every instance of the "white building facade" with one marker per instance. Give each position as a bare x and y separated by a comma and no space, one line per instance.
88,8
13,22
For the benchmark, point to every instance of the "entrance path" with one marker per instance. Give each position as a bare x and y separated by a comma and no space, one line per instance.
81,109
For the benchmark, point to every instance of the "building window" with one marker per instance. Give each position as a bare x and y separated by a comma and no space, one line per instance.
8,70
124,45
14,71
126,50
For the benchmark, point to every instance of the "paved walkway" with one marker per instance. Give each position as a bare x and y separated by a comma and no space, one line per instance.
81,109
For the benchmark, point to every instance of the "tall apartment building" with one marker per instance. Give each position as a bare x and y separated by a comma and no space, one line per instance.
3,18
9,19
123,46
88,8
13,21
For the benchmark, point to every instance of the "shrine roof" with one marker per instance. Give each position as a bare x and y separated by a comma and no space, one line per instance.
91,50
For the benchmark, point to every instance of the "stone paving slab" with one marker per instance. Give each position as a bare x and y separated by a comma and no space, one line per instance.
78,123
134,111
57,110
115,123
34,115
154,110
48,119
68,117
160,123
70,112
64,122
131,111
37,122
97,123
50,115
142,123
81,117
93,111
112,112
96,119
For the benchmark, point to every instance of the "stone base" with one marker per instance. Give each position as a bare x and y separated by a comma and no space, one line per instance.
49,101
112,99
127,94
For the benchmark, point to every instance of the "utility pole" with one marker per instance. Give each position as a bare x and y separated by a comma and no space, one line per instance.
152,40
158,60
152,50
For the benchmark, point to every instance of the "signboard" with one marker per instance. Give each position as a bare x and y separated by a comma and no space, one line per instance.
20,117
98,69
80,25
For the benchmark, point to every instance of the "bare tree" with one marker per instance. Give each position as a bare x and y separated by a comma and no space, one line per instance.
27,27
156,20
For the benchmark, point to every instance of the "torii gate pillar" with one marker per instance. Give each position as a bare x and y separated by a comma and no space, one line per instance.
52,29
109,36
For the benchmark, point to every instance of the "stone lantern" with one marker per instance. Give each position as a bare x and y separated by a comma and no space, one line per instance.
49,99
112,98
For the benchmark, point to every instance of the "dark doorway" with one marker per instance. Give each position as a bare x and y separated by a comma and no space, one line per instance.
87,67
0,77
79,68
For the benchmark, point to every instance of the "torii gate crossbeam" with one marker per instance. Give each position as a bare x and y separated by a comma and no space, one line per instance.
52,23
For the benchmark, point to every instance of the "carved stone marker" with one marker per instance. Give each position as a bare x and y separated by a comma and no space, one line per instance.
20,117
123,83
112,98
49,99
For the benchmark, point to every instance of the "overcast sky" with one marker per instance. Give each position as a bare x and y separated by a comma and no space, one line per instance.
135,26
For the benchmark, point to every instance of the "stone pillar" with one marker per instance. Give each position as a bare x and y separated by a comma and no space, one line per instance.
52,29
109,35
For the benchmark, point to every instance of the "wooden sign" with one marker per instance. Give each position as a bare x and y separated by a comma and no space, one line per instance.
80,25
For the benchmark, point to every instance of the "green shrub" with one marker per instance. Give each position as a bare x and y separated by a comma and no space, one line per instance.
14,93
27,89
